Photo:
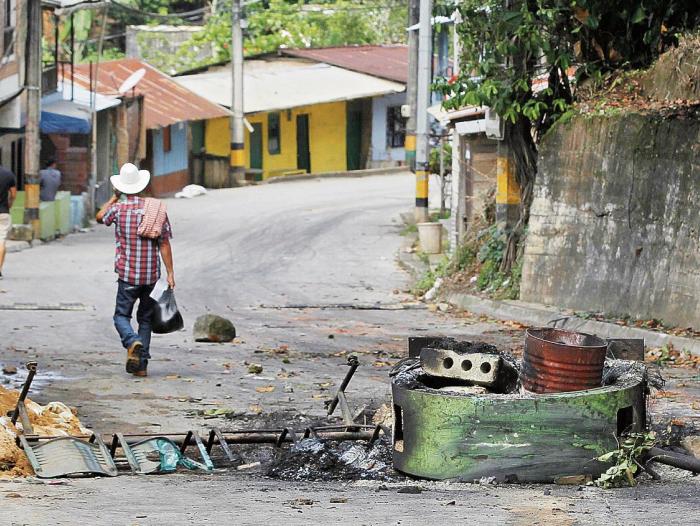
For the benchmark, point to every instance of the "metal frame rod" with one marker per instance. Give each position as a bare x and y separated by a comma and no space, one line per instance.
31,368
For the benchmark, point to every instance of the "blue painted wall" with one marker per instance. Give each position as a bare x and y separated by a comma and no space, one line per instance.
381,154
177,158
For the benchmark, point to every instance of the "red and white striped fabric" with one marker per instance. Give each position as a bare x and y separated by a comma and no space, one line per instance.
154,216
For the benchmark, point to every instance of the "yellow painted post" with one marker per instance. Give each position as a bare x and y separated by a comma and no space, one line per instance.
410,150
507,189
422,193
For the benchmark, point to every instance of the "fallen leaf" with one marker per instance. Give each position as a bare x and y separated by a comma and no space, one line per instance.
255,409
265,389
172,377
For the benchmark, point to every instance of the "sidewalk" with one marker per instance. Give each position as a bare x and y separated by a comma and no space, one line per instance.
537,314
18,246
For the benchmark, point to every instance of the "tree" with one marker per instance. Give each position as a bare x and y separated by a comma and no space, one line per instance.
294,24
519,55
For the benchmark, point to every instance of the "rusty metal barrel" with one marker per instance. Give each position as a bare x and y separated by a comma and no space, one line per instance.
556,361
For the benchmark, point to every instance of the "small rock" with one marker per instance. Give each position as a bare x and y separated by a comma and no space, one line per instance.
255,368
288,389
9,369
213,328
411,490
338,500
451,503
573,480
443,307
692,445
331,336
548,491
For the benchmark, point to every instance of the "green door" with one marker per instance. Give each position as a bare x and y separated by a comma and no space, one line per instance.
303,152
354,136
256,147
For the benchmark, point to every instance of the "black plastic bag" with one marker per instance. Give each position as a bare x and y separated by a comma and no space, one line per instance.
166,317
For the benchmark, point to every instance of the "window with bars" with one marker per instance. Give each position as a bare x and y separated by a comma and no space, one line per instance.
395,127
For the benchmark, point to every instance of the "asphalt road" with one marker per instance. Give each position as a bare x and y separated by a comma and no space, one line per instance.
289,264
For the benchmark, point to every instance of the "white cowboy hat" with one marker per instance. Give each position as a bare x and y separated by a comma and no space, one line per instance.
130,179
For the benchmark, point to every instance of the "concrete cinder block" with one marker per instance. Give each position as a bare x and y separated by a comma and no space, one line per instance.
21,233
477,368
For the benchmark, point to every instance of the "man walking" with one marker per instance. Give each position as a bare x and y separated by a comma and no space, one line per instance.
8,192
137,263
50,181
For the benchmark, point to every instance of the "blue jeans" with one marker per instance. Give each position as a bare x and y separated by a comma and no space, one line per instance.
127,295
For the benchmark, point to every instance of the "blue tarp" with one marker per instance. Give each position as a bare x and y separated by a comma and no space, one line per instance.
58,123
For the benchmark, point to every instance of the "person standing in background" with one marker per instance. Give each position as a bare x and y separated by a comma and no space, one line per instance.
50,181
8,192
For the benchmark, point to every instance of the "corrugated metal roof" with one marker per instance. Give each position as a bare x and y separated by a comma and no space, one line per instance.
386,62
281,84
166,101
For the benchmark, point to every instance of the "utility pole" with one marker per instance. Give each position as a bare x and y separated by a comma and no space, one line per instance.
425,56
410,143
237,128
32,143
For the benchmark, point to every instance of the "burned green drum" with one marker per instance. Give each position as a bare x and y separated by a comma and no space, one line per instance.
518,437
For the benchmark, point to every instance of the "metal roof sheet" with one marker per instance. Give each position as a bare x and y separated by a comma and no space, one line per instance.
166,101
386,62
281,84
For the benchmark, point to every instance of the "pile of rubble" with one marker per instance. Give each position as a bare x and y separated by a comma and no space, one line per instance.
52,419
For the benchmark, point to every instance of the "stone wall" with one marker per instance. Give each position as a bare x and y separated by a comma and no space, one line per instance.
615,222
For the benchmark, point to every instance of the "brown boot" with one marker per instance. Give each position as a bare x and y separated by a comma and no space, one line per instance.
133,357
140,372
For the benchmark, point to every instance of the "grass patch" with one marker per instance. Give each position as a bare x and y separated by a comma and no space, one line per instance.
409,229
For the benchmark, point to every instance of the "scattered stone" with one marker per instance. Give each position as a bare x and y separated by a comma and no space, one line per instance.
247,466
411,490
383,416
301,501
288,389
548,491
692,445
573,480
331,336
213,328
9,369
255,368
338,500
451,503
443,307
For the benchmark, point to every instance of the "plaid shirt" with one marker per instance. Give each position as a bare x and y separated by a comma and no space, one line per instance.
136,260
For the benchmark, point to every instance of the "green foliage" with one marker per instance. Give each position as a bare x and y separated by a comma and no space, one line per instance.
624,460
288,25
434,158
516,56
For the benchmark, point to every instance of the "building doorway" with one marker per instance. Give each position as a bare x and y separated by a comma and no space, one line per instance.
303,151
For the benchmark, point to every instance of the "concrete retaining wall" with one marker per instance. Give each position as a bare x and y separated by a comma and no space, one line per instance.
615,225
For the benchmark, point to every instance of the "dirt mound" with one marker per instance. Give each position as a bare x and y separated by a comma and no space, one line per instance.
52,419
676,75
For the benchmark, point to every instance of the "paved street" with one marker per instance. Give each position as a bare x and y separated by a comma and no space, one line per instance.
289,264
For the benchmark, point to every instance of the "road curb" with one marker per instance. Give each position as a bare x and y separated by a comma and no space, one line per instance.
536,314
396,170
16,246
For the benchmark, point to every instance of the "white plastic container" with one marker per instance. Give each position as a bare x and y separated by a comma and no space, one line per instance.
430,237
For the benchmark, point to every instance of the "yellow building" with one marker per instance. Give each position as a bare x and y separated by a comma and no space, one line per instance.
301,116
